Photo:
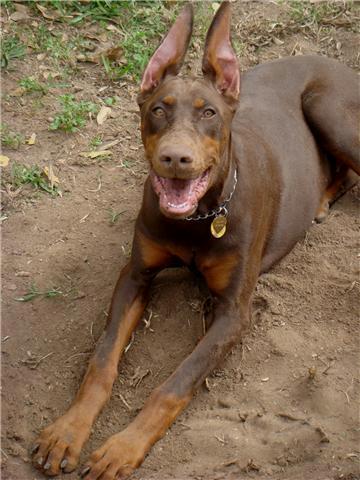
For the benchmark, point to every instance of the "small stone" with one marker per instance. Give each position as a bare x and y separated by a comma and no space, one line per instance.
22,274
80,295
226,402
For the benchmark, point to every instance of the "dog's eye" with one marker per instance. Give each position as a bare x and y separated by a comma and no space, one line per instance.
158,112
208,113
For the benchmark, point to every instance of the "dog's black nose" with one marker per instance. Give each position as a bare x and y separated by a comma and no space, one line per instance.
176,158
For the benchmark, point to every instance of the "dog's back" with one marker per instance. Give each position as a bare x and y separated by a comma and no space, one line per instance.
294,124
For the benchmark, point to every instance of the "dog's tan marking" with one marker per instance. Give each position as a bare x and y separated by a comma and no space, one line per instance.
127,449
153,254
217,271
169,100
70,431
211,149
150,144
158,414
199,103
330,194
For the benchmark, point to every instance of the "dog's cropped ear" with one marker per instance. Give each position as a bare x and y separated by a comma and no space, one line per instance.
220,64
169,56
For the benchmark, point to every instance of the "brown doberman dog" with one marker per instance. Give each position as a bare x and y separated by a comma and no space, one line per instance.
236,177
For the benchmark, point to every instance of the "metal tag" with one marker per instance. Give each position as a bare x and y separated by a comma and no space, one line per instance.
218,226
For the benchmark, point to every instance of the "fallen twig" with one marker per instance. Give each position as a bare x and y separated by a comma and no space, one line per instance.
125,402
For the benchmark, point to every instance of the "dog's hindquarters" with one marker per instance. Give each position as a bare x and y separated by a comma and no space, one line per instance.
331,106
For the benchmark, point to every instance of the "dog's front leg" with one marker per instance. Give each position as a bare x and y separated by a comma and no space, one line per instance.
124,451
58,446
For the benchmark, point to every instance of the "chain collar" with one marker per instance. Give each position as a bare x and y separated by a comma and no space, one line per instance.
220,209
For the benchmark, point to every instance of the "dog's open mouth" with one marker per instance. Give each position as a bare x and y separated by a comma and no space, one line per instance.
178,197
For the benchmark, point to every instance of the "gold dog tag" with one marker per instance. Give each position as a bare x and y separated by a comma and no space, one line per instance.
218,226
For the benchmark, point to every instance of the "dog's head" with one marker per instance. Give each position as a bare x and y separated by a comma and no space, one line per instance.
185,123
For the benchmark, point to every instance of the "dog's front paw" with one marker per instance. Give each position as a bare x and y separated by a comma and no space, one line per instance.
59,445
116,459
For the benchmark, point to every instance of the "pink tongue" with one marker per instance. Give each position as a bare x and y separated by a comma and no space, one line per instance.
178,191
177,196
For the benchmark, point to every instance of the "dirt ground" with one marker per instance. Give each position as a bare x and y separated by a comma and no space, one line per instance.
284,405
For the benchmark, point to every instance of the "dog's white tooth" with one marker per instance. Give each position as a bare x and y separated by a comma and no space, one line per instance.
177,206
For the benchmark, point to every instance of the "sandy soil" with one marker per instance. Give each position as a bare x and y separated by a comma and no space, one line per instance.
284,405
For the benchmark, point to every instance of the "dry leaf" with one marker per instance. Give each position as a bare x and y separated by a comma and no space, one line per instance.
112,28
31,140
4,161
18,92
53,179
12,193
19,16
107,145
19,7
115,113
92,36
45,14
102,38
112,53
82,58
48,74
277,41
102,115
21,13
94,154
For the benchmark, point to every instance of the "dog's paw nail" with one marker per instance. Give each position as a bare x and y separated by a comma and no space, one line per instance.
63,463
34,449
40,461
47,466
84,471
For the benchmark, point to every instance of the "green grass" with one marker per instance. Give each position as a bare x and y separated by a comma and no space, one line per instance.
142,24
9,4
95,141
58,45
308,14
137,52
9,138
32,86
54,45
23,175
34,292
114,216
110,101
73,115
11,48
75,11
